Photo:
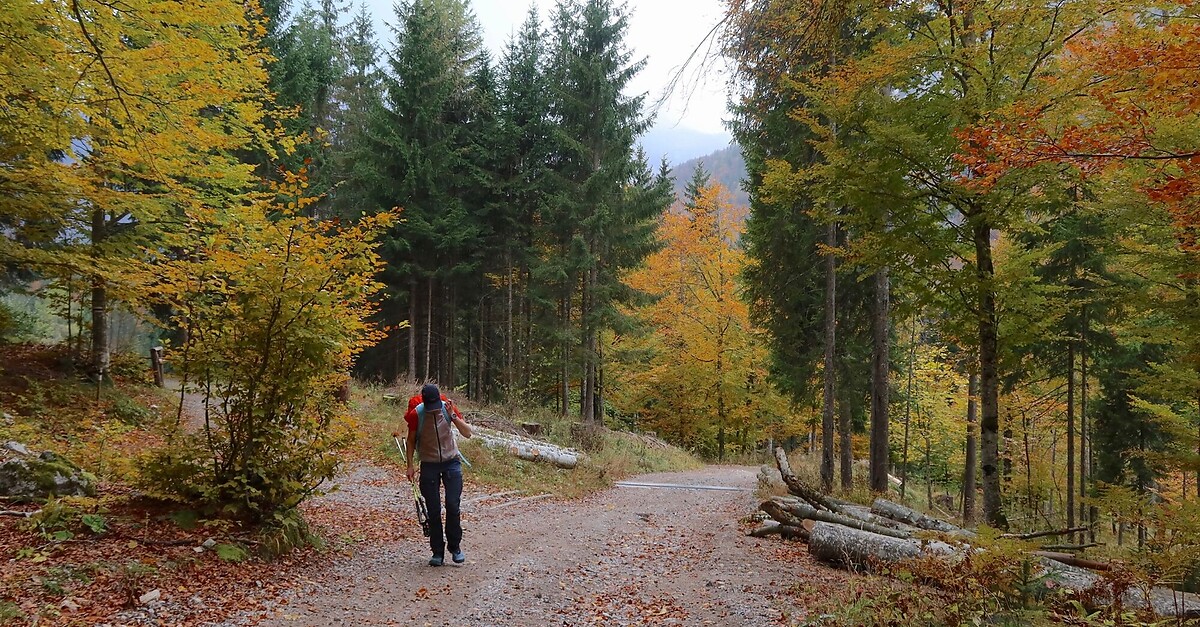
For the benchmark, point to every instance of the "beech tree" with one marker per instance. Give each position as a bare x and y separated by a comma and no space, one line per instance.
696,372
121,120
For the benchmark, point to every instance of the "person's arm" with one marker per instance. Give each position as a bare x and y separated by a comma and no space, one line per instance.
453,408
463,427
457,419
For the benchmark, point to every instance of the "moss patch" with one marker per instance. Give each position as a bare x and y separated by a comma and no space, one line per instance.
41,477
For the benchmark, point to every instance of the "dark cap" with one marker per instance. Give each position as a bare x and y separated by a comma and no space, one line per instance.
431,397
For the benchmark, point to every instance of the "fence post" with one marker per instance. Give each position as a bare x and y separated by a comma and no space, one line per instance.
156,364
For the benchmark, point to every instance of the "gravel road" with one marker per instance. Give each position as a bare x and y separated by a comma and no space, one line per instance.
624,556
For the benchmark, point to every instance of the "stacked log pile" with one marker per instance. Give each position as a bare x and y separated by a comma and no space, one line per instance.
860,538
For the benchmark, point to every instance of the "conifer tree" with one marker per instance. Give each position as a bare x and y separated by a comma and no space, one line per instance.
419,142
607,196
357,98
524,186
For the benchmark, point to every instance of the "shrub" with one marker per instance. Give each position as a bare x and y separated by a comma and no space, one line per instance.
61,518
273,306
129,411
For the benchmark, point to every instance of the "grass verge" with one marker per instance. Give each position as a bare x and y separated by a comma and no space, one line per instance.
608,456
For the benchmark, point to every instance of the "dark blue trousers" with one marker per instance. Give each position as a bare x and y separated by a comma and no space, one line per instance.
433,476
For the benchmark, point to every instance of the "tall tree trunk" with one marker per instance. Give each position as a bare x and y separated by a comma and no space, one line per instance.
1026,425
401,339
912,358
472,382
565,389
70,325
100,344
720,385
412,330
428,327
880,358
1071,436
1006,455
972,462
989,423
450,345
527,332
827,418
928,467
598,418
510,382
1085,447
587,387
845,446
481,356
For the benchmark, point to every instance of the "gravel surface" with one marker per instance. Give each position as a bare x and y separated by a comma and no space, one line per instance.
625,556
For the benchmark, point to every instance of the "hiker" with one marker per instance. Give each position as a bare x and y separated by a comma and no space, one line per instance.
430,434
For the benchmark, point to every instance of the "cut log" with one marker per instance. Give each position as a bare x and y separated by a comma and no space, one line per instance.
909,516
1072,560
863,550
1043,534
798,487
787,532
1164,602
1070,547
526,448
893,480
781,514
864,514
768,479
804,511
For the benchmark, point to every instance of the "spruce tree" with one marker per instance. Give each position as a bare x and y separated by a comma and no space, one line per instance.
607,196
419,144
524,185
358,98
307,67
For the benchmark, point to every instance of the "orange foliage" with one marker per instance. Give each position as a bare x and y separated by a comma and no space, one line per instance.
1125,98
707,370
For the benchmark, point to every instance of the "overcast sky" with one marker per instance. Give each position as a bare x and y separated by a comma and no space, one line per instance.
663,31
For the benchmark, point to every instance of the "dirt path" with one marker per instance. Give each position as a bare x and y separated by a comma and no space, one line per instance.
626,556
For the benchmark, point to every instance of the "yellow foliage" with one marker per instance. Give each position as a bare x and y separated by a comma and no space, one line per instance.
274,306
705,377
116,121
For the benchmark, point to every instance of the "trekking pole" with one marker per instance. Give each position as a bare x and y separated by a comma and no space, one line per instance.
418,499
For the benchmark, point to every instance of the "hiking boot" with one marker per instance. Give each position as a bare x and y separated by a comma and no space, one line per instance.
436,560
458,556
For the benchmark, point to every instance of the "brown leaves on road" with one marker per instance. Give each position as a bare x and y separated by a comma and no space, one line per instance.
629,605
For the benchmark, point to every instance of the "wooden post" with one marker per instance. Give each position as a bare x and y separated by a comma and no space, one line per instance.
156,364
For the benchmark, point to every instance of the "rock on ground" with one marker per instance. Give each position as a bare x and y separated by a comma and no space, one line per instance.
29,477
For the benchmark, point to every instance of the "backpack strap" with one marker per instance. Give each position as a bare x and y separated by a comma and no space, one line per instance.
420,423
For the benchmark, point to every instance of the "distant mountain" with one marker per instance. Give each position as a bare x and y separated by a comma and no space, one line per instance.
724,166
680,144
